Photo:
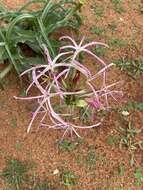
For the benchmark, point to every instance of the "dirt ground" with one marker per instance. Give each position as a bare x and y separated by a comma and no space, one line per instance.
40,146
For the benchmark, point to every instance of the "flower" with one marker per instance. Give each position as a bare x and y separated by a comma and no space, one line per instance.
93,102
60,69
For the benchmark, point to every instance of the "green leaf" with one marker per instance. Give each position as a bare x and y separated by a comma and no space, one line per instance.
5,71
138,176
82,1
2,43
15,21
43,33
34,28
121,169
34,60
2,54
81,103
46,10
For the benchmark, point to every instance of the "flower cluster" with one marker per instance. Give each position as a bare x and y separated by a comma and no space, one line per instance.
59,78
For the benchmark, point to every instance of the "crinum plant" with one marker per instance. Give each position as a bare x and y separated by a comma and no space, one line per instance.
22,31
67,82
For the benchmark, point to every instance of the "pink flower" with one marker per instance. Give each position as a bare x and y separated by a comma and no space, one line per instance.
93,102
62,67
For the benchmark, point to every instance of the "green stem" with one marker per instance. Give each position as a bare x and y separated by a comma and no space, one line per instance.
42,28
46,10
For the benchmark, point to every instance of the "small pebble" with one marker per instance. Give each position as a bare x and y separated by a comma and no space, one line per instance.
125,113
55,172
